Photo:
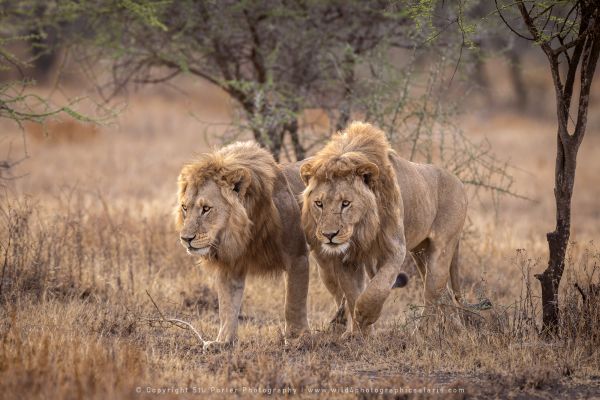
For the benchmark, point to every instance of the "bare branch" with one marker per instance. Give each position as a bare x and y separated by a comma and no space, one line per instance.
176,322
588,66
509,26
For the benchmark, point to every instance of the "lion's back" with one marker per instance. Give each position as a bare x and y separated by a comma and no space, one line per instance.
433,199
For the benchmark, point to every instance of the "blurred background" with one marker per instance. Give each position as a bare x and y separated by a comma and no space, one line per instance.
102,102
113,97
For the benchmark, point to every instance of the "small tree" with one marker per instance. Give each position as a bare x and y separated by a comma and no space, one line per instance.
274,58
568,32
277,59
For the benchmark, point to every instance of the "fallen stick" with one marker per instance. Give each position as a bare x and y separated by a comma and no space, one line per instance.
177,322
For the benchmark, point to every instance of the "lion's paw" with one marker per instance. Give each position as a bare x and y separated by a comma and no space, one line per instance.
298,342
294,331
215,346
351,335
363,319
348,335
356,333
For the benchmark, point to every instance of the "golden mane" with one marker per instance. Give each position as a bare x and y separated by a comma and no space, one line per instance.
344,156
254,227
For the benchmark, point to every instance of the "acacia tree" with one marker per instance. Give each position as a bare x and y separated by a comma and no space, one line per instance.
278,58
568,32
274,58
26,52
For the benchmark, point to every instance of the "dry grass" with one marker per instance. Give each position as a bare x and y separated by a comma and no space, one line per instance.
88,231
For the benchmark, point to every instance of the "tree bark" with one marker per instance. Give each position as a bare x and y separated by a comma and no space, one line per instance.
346,103
276,141
299,151
558,240
271,140
586,50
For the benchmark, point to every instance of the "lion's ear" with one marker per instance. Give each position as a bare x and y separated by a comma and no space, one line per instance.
238,180
368,172
306,172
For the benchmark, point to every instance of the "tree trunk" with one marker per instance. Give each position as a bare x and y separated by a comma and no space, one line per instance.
299,151
516,78
346,103
566,163
558,240
584,47
270,140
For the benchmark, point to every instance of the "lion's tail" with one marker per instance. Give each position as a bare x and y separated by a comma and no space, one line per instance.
401,280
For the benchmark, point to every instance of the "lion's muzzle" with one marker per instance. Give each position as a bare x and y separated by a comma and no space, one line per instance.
330,235
196,244
334,241
186,240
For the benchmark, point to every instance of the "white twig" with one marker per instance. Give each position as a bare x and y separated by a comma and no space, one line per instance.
177,322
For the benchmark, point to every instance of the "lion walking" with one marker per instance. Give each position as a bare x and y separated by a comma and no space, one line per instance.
364,208
236,212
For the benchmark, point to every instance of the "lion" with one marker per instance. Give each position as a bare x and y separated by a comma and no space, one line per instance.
364,208
236,212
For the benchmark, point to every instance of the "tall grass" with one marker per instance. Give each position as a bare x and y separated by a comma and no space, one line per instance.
75,321
80,248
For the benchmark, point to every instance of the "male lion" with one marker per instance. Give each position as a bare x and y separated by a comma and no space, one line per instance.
364,207
235,206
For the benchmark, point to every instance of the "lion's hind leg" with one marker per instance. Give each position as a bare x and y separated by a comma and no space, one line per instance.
482,304
454,278
441,259
339,318
437,259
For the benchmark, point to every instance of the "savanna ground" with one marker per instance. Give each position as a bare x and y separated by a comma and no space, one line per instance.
87,231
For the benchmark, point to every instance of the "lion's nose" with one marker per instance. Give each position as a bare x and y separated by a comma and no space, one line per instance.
187,239
330,235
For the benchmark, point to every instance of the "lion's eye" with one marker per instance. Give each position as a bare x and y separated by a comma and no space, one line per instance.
184,208
206,209
345,203
319,204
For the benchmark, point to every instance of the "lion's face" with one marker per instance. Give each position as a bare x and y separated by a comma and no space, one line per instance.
340,210
205,213
210,216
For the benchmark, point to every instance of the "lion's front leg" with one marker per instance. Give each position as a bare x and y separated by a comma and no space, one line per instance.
329,276
370,303
352,281
230,289
296,295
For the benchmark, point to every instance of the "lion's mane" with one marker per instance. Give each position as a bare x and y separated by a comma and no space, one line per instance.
341,158
252,237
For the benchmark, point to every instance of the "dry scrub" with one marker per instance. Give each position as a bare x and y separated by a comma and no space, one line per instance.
75,321
94,233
